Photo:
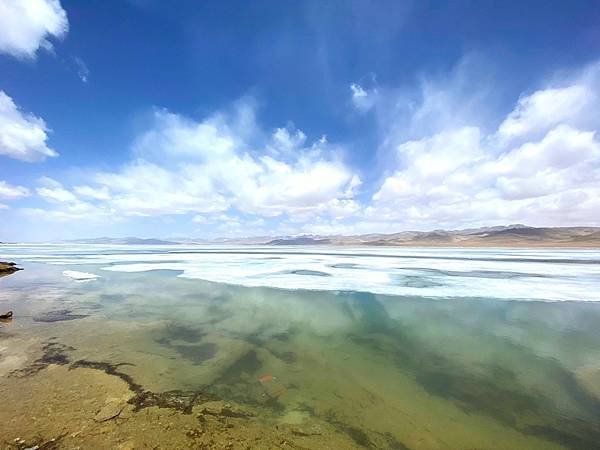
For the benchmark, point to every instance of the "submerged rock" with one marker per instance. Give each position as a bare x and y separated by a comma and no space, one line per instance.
58,315
109,411
219,408
183,401
53,353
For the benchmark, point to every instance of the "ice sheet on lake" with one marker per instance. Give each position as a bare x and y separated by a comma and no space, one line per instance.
520,274
80,276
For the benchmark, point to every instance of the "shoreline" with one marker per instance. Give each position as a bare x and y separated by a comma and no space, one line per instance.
449,245
8,268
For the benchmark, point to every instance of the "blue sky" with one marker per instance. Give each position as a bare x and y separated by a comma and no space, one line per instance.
210,119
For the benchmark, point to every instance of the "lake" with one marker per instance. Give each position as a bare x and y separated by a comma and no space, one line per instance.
389,347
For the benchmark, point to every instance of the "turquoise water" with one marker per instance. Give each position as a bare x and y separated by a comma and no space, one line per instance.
420,348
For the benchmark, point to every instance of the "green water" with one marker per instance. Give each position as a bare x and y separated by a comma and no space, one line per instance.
391,372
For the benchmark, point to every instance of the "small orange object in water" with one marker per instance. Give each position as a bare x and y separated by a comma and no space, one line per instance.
265,378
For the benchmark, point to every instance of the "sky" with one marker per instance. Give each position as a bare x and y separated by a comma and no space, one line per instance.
279,117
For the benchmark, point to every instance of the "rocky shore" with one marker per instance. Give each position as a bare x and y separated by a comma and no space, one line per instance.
54,403
6,268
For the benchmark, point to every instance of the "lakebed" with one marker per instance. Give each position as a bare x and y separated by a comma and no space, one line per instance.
320,347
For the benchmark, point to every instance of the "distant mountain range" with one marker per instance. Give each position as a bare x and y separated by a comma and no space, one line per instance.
498,236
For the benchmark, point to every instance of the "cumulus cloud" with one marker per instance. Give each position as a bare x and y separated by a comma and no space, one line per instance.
451,166
285,141
26,25
541,166
144,188
67,205
10,192
545,108
100,193
22,136
182,166
53,191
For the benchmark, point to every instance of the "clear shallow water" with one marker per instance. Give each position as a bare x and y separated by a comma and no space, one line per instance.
431,348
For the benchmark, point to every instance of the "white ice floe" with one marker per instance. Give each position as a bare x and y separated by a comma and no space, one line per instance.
80,276
546,275
511,274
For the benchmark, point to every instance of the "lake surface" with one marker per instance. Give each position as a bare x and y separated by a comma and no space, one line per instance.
396,347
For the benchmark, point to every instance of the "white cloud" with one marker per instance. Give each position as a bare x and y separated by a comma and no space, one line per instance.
285,141
183,166
220,225
434,166
560,149
56,194
145,189
357,91
71,212
362,99
449,169
26,25
22,136
216,169
83,72
67,206
572,102
100,193
544,108
535,168
10,192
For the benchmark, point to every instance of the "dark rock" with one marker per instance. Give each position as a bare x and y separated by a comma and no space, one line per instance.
183,401
58,315
53,353
220,409
109,411
6,268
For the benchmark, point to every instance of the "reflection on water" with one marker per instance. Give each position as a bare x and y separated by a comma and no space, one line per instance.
389,371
